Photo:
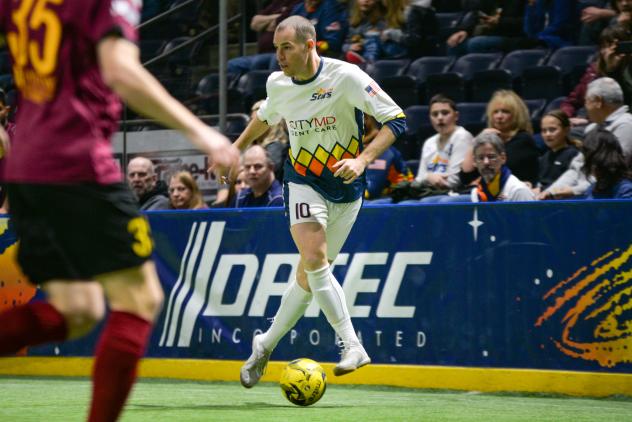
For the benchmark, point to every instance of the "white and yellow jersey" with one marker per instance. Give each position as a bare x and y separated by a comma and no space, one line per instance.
325,122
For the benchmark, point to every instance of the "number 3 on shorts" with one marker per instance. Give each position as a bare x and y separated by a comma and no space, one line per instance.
139,228
301,210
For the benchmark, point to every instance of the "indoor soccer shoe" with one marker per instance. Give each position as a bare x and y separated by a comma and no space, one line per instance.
353,357
255,366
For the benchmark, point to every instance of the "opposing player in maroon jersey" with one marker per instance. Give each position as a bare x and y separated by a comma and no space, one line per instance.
82,238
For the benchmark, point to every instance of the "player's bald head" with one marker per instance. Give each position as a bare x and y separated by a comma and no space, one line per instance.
303,29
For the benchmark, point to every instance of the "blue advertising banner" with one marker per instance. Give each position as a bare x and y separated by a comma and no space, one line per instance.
541,285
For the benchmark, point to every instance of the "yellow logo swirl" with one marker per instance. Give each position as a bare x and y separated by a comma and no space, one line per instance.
594,307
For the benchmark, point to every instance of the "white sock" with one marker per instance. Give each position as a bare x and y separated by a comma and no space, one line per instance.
294,302
331,300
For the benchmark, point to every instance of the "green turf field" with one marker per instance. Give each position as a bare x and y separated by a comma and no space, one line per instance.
65,399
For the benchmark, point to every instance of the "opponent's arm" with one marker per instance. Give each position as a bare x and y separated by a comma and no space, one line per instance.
122,71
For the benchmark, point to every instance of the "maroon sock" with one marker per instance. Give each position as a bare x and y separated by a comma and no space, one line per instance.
120,347
29,325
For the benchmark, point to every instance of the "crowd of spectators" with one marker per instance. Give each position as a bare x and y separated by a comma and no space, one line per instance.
567,156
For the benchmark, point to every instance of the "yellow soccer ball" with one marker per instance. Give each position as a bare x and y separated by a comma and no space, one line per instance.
303,382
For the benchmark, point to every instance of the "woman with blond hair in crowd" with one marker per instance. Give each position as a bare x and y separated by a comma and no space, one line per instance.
508,117
184,193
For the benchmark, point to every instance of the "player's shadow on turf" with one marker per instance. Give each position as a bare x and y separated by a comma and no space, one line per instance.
246,406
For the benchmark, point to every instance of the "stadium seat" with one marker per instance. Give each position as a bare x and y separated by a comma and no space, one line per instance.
468,64
518,60
252,86
387,68
402,89
178,61
418,128
566,58
150,49
449,84
572,62
472,116
206,99
554,104
484,83
185,20
424,66
541,82
536,107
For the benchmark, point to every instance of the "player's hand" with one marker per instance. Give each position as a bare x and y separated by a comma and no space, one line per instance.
349,169
223,155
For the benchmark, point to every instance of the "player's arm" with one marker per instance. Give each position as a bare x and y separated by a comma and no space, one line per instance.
255,129
351,169
122,71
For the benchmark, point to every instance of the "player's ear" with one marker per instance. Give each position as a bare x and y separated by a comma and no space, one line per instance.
311,44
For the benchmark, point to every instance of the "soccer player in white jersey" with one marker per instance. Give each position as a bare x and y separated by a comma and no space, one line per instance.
322,101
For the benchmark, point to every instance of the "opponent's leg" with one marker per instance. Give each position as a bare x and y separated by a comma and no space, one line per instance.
294,302
135,297
72,310
310,239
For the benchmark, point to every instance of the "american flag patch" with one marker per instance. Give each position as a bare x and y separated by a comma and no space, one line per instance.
372,89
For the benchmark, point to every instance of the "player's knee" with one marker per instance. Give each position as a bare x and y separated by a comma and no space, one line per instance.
81,319
153,303
314,261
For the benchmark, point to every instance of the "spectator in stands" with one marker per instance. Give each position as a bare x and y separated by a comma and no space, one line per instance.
264,22
605,162
607,63
184,193
263,189
623,10
488,26
496,182
552,23
443,153
330,19
417,29
555,128
241,183
604,104
605,107
595,16
386,171
508,117
150,192
366,23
